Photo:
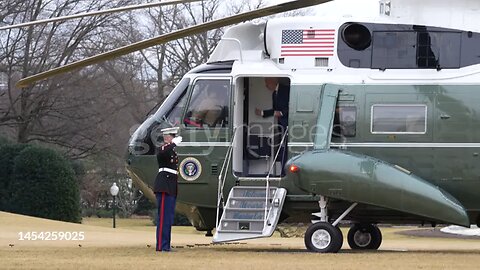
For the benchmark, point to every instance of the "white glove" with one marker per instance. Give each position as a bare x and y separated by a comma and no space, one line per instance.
177,140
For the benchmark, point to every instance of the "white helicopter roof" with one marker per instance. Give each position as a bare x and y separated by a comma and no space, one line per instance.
260,48
248,37
460,14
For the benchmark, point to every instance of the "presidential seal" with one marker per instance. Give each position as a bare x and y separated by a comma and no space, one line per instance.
190,169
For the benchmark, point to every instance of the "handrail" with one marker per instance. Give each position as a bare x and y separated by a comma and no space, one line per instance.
267,192
228,157
228,152
221,182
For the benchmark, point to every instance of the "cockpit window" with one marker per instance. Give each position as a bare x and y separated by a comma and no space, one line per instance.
148,135
209,104
172,108
175,114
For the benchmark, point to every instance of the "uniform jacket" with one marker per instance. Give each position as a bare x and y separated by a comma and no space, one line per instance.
165,181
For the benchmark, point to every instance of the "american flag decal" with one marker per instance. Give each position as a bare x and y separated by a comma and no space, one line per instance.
312,42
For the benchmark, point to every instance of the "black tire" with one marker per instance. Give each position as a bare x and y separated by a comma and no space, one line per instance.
364,237
322,237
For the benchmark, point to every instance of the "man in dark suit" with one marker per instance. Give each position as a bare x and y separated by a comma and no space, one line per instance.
166,186
280,97
279,110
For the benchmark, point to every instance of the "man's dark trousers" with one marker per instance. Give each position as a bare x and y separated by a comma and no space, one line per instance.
166,213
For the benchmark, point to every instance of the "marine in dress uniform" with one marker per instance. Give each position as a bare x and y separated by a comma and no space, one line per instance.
166,186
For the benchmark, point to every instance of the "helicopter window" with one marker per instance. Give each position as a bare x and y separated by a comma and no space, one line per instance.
440,49
425,55
209,104
416,49
172,108
345,122
148,135
386,46
407,119
394,50
175,114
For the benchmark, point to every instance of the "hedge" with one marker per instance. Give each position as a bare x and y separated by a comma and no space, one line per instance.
8,153
43,185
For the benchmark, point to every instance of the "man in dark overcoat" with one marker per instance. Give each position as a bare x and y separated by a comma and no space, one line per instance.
279,110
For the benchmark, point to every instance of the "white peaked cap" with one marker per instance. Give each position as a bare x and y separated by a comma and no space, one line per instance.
170,131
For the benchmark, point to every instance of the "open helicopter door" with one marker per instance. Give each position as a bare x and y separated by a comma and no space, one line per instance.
253,210
258,151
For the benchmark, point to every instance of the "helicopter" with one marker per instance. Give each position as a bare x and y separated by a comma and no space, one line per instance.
382,122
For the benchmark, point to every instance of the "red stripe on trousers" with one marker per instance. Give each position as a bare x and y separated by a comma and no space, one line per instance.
159,244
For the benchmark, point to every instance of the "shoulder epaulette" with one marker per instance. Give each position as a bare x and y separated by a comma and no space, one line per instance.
163,146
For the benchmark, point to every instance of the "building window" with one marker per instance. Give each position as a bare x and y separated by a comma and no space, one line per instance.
399,119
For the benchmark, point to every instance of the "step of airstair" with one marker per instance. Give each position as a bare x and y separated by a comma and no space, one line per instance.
249,213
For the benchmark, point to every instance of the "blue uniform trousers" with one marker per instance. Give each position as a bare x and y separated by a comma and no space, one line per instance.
166,212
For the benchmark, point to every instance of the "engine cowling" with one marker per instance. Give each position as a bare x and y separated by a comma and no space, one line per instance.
358,178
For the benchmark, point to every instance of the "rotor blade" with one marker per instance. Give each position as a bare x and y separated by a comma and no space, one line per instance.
271,10
99,12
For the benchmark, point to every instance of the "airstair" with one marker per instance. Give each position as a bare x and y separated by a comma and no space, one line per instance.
249,211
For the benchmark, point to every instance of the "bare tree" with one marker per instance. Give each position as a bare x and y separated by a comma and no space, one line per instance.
10,7
89,114
58,111
165,64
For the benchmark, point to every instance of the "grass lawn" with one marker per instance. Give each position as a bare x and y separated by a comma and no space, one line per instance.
131,246
129,223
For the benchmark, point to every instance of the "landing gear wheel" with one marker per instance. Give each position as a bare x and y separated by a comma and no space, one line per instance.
364,236
324,238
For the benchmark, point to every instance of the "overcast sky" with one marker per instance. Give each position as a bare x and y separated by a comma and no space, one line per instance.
283,1
350,5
